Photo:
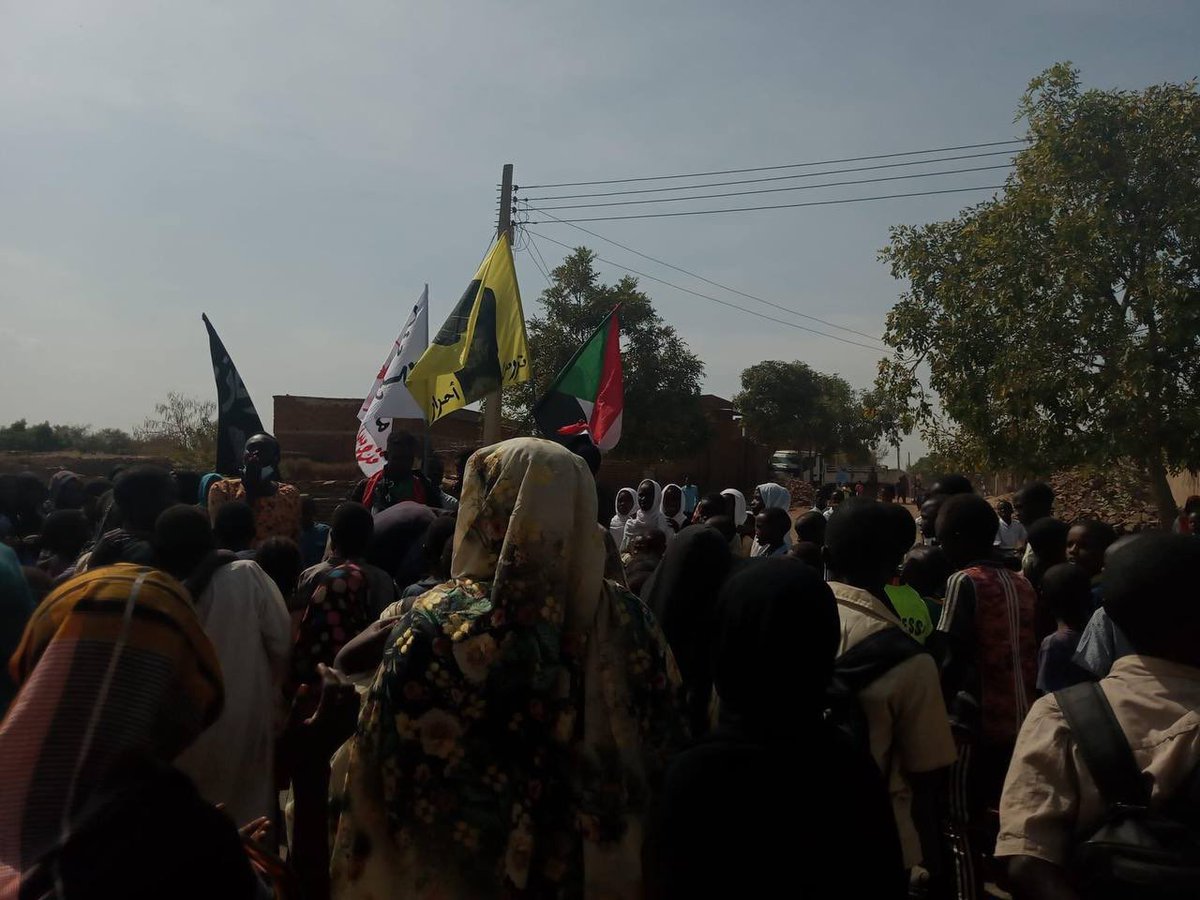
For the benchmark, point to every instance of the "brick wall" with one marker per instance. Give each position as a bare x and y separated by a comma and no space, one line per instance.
323,429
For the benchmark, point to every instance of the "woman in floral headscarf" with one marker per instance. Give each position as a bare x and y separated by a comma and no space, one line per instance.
517,729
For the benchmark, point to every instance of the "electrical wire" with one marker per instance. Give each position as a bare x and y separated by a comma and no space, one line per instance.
794,187
733,209
539,267
801,165
832,337
538,251
718,284
770,178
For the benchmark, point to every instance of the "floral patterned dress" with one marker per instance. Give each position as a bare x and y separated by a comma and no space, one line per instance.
277,515
517,729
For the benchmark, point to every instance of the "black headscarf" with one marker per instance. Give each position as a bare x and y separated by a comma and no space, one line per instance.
777,636
682,594
396,544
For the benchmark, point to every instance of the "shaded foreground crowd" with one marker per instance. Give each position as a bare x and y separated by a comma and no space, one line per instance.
484,692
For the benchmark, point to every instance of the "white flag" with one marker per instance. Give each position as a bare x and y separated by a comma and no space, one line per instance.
389,397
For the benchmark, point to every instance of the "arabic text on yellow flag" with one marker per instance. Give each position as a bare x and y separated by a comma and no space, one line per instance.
482,344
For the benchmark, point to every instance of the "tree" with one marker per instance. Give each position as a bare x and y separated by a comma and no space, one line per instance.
183,428
26,438
789,404
662,415
1060,322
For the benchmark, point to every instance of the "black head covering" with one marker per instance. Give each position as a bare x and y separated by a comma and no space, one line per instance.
396,544
777,636
1149,591
682,594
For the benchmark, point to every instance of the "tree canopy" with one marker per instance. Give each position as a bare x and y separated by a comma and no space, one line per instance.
791,405
662,415
183,429
43,437
1059,323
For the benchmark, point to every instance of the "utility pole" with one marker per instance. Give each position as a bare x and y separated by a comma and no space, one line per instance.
491,403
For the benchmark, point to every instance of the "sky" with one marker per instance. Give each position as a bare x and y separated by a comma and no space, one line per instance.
299,170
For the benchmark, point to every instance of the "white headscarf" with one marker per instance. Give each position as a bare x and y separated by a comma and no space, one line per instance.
616,527
680,518
739,506
647,521
775,496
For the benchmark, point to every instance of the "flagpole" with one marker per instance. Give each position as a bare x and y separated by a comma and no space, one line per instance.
427,448
491,403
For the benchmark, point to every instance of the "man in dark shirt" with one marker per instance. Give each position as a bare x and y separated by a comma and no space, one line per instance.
397,481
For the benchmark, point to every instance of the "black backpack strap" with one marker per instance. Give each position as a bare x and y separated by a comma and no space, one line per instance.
875,655
1103,745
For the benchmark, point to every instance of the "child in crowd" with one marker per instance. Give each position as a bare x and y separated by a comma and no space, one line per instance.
925,569
1087,541
234,528
1067,595
906,717
1047,547
645,553
64,534
770,532
350,536
711,505
811,526
987,644
810,538
1052,800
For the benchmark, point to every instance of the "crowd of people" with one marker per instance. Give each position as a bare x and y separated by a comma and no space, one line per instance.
484,686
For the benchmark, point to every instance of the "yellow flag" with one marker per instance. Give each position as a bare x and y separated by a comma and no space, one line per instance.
482,344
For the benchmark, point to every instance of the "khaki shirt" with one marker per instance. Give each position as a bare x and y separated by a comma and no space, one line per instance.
906,716
1050,799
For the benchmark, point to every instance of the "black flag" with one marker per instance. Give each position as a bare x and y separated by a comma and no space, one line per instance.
237,419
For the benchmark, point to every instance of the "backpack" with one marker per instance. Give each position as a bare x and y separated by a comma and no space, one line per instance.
858,667
1136,851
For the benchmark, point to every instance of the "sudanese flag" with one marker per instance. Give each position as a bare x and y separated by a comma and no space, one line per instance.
588,396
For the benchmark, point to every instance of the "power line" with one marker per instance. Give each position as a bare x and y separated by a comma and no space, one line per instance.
717,284
832,337
733,209
802,165
535,257
538,266
692,187
538,251
794,187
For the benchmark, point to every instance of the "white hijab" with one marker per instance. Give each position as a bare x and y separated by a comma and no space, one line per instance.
680,518
739,506
647,521
616,527
775,496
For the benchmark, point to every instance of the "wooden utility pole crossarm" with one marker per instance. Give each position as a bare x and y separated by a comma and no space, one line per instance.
491,403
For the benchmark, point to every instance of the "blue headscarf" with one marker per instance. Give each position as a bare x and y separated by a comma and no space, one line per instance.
205,483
